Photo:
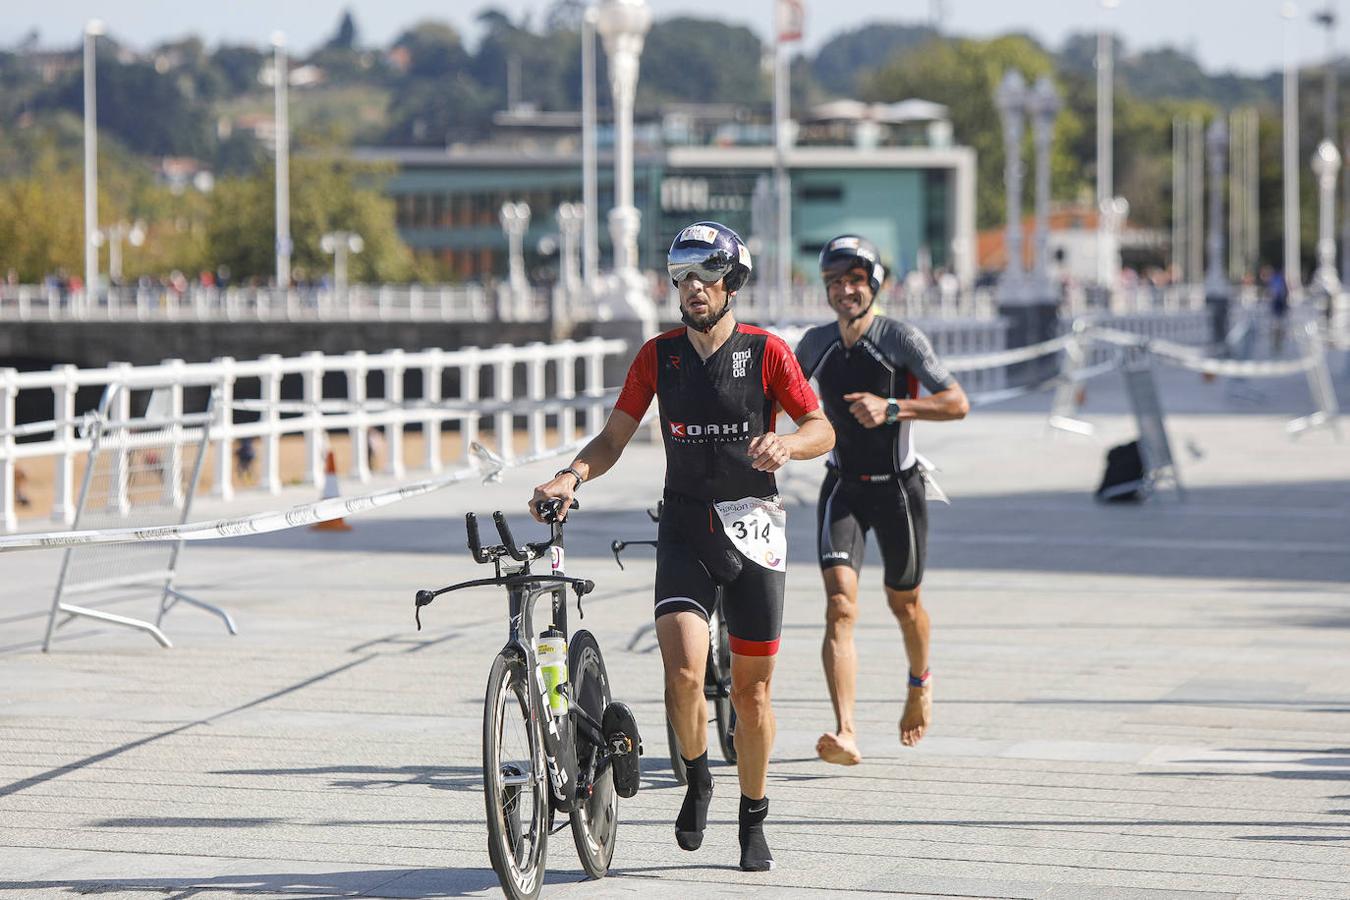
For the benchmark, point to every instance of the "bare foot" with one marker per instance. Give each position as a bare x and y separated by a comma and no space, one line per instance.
840,749
917,715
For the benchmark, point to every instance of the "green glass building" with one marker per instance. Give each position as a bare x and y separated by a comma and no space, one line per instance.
917,203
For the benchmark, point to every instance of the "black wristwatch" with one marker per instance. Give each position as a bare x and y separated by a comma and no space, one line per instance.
892,410
573,472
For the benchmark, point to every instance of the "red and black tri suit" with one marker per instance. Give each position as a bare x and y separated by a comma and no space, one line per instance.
711,409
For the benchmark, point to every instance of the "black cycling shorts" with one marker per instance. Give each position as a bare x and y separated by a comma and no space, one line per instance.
896,509
694,558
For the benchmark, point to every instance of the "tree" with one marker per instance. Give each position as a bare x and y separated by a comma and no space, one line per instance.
326,195
846,56
42,221
963,75
345,36
701,61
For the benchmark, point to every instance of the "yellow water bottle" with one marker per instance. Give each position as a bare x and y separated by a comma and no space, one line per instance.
551,650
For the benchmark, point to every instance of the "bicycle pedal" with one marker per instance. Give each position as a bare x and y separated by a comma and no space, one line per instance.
625,746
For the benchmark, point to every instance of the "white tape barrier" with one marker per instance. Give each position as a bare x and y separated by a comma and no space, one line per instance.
1000,358
1194,359
489,467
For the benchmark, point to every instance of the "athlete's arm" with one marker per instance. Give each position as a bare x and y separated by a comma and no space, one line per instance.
909,348
603,451
946,405
814,436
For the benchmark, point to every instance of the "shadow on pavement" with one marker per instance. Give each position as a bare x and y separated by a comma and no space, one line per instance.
1288,532
392,883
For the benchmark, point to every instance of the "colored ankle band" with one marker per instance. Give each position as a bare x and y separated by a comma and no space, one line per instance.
920,681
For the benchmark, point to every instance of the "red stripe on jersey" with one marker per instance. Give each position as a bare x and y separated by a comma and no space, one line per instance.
913,385
754,648
783,377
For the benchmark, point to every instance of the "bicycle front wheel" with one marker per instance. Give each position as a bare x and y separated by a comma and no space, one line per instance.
595,818
515,782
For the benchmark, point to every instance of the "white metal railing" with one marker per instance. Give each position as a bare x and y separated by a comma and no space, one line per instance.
548,385
480,303
195,303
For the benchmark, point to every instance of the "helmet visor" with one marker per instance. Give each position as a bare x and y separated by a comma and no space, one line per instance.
708,265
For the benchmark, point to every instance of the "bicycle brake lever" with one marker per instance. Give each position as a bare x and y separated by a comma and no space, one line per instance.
583,588
615,546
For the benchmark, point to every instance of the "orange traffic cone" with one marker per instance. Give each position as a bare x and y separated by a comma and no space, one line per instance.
330,490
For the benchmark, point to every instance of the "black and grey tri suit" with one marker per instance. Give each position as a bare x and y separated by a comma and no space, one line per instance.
873,479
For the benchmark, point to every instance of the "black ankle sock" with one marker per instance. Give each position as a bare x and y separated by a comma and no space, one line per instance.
693,817
755,855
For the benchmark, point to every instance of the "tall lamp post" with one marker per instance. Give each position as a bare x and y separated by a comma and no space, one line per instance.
623,26
1217,288
1292,264
1011,100
281,77
1045,106
515,221
92,29
1105,132
1326,165
590,202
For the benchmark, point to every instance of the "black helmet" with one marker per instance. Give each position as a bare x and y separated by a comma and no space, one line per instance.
847,251
713,252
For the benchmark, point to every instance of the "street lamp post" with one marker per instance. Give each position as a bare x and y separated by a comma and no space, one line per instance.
1011,100
92,29
590,202
1105,130
1217,288
339,244
1045,105
571,222
1326,165
281,77
515,221
1292,265
623,26
133,233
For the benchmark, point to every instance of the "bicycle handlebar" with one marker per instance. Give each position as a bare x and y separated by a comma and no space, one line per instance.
582,586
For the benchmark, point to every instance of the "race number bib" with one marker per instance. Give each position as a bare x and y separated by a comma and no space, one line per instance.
758,528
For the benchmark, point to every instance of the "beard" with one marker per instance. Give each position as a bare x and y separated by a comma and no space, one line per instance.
709,316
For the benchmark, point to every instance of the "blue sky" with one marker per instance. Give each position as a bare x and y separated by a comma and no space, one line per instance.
1226,34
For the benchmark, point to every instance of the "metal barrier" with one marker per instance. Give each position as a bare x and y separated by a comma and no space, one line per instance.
134,471
533,373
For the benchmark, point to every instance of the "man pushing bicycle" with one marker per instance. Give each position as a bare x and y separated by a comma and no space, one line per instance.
719,385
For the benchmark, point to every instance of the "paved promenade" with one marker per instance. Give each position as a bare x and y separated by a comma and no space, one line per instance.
1131,702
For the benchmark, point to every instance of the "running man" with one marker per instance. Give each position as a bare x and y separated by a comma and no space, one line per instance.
868,368
719,385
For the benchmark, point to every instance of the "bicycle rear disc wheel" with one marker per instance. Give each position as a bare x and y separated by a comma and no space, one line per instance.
719,667
515,782
595,819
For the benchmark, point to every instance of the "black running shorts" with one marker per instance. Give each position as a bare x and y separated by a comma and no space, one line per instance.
895,508
694,558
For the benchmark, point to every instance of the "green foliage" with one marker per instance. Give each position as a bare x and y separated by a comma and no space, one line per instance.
326,195
42,221
851,54
963,75
702,61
